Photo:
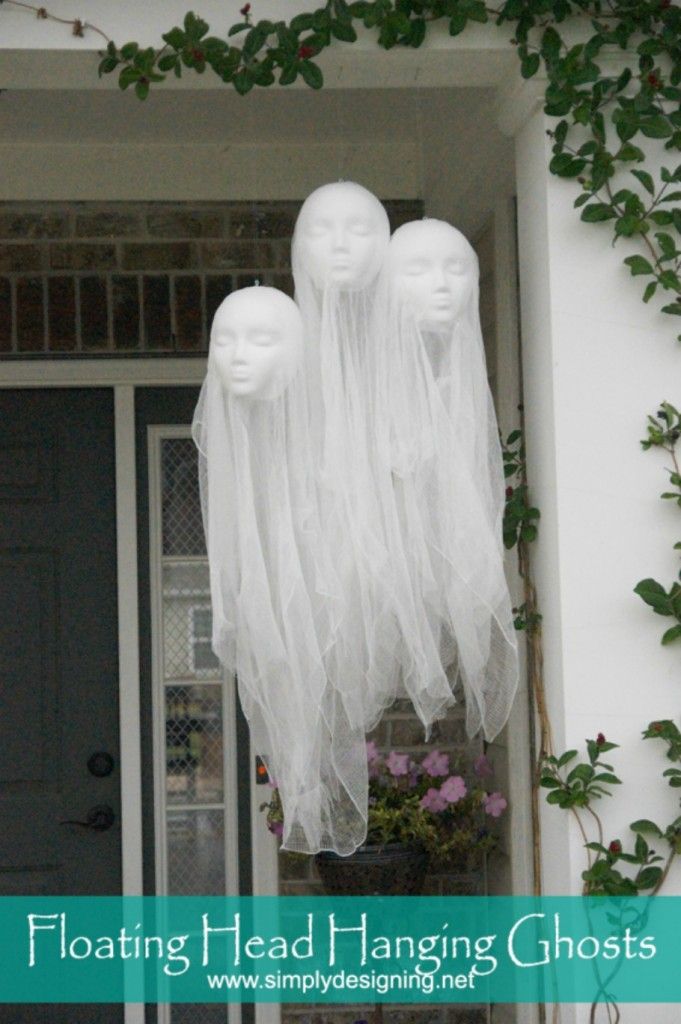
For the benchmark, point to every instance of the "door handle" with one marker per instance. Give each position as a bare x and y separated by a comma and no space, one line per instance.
98,818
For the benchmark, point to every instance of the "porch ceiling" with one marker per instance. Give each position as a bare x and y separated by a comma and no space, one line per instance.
212,118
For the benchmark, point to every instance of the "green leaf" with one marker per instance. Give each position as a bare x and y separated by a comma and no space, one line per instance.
648,877
646,180
654,594
645,825
529,66
242,27
672,634
565,758
243,82
344,33
129,50
457,22
598,212
127,77
175,38
638,265
666,243
656,127
304,22
289,74
312,74
651,288
142,89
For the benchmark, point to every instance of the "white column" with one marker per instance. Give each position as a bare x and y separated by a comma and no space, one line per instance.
596,361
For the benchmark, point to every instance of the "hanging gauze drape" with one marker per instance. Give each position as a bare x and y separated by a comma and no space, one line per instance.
437,434
386,641
276,598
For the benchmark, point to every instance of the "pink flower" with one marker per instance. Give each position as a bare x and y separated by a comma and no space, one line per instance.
482,767
453,789
495,804
433,800
276,828
397,764
436,763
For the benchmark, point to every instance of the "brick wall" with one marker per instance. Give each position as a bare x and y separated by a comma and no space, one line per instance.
136,278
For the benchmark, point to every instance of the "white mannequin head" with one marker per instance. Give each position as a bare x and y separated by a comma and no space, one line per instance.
434,268
341,236
256,342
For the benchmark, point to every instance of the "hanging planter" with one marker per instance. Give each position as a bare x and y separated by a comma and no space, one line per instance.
394,869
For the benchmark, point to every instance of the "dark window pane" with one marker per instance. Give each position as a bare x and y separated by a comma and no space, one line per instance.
217,289
61,294
126,312
30,318
5,315
157,331
94,314
188,314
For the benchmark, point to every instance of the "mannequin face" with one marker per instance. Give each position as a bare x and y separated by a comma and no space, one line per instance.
341,236
256,342
434,269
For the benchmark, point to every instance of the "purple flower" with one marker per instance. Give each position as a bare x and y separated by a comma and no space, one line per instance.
436,764
495,804
433,800
397,764
482,767
276,828
453,789
372,752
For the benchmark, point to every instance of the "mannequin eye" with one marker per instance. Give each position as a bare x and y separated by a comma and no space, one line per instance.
317,229
264,339
360,227
415,268
223,340
457,266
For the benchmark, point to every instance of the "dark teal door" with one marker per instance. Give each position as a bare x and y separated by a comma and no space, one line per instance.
58,657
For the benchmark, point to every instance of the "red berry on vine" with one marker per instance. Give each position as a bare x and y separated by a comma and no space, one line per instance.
654,81
198,55
615,846
245,10
656,726
600,739
509,492
305,52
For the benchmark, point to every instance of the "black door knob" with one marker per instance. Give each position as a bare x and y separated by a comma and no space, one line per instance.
100,764
98,818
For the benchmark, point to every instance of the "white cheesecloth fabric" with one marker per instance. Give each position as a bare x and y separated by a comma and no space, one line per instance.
437,434
276,606
383,634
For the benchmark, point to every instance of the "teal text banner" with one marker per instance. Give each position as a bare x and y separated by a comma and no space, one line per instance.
339,950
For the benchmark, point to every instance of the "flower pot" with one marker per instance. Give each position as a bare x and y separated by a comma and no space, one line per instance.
396,869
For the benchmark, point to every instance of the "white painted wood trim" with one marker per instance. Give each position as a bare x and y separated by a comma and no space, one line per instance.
128,656
72,373
154,437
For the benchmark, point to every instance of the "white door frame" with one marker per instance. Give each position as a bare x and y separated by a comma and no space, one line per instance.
123,376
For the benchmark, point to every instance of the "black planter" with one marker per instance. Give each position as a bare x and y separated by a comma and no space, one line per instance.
396,869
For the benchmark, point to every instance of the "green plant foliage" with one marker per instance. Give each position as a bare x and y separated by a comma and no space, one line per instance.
664,431
577,788
602,115
520,516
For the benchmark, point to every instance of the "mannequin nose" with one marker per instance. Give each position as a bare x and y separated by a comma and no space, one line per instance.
439,280
239,351
339,241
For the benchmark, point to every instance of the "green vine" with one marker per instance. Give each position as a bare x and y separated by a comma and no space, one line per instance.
600,115
664,431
